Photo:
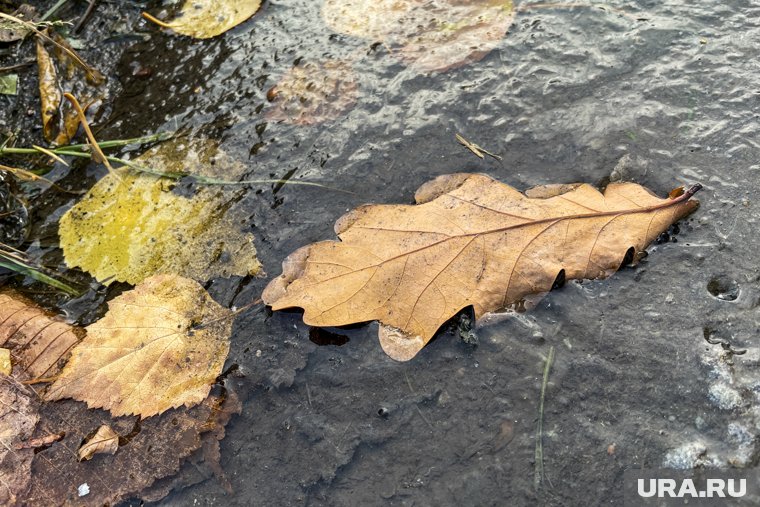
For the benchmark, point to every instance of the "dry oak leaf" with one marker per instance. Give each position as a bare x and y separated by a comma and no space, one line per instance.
38,342
160,346
312,93
431,35
469,241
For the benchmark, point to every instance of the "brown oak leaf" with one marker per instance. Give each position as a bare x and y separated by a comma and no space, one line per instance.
469,241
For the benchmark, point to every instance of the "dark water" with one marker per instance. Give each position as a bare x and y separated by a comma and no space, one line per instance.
644,374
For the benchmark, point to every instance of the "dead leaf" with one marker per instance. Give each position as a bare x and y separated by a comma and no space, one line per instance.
311,93
469,241
429,36
104,441
204,19
207,457
71,61
50,92
201,156
11,31
160,346
155,449
18,418
39,342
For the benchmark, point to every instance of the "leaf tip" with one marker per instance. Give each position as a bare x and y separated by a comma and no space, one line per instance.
399,345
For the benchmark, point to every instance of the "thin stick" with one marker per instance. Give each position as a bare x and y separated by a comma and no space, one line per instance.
85,16
538,476
10,68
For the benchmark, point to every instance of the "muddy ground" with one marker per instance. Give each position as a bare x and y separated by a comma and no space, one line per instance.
658,366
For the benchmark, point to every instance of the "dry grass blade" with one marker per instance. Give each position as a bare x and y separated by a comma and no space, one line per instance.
538,476
98,155
477,150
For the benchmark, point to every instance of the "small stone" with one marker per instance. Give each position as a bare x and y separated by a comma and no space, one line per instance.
611,449
83,489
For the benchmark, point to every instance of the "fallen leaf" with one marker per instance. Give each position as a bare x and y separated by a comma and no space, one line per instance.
200,156
313,93
429,35
204,19
18,418
469,241
59,120
11,31
208,456
104,441
160,346
50,92
155,448
71,61
9,84
39,342
131,226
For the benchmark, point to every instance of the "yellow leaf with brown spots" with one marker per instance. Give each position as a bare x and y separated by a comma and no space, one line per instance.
204,19
132,225
160,346
469,241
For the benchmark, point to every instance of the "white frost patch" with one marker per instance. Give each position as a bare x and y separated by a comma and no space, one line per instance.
725,396
739,434
688,456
